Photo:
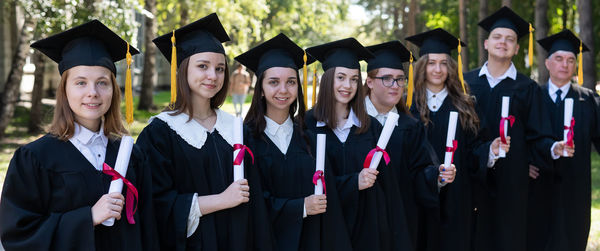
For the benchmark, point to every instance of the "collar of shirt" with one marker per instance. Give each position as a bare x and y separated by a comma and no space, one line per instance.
352,120
281,135
85,136
510,73
552,88
372,111
435,100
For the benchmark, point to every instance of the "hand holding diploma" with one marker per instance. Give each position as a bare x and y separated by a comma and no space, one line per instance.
109,206
563,149
569,124
505,121
497,145
374,156
116,185
315,204
448,170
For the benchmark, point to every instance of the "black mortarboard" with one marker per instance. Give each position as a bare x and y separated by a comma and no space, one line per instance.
343,53
389,55
506,18
91,44
203,35
435,41
278,51
562,41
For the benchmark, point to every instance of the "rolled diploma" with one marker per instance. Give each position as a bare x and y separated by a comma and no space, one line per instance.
568,116
384,137
238,138
450,137
121,165
504,114
320,162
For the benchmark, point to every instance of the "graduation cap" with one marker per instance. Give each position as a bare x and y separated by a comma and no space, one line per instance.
389,55
91,44
343,53
204,35
566,41
437,41
278,51
507,18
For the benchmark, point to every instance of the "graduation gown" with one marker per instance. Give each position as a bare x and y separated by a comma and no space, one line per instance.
455,212
365,212
413,186
287,180
501,191
180,169
49,191
560,198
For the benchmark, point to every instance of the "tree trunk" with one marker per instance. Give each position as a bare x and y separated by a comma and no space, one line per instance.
481,33
184,13
586,26
35,114
541,31
565,14
507,3
149,72
462,16
10,96
412,23
397,33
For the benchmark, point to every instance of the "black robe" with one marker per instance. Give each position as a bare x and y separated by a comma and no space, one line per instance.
560,198
413,187
287,180
365,212
501,191
179,170
48,193
455,212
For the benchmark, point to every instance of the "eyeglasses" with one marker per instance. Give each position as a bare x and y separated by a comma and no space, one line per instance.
388,81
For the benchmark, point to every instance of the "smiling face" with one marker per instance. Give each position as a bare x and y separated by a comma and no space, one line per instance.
502,43
382,95
89,94
280,88
206,74
436,70
345,84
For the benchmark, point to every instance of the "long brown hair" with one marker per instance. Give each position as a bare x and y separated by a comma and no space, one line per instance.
184,93
400,106
325,107
463,102
63,125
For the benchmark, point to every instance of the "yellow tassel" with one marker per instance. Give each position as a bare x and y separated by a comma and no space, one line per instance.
314,86
409,92
128,90
530,51
173,72
580,70
460,66
305,81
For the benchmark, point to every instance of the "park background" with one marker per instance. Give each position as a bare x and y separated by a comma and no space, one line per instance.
28,79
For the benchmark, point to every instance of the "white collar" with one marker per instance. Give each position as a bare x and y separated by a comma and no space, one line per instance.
85,136
440,95
372,111
552,88
510,73
192,132
352,120
272,126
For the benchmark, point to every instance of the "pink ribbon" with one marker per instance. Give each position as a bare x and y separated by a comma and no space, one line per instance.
132,193
319,176
570,133
503,120
452,150
386,157
240,156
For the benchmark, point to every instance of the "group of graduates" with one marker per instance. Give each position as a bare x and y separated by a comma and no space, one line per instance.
526,191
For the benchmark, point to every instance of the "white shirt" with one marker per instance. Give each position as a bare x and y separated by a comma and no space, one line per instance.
552,88
510,73
342,131
92,145
435,100
372,111
281,135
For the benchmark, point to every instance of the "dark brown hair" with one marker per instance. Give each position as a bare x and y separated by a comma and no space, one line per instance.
184,93
325,107
400,106
463,102
63,125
